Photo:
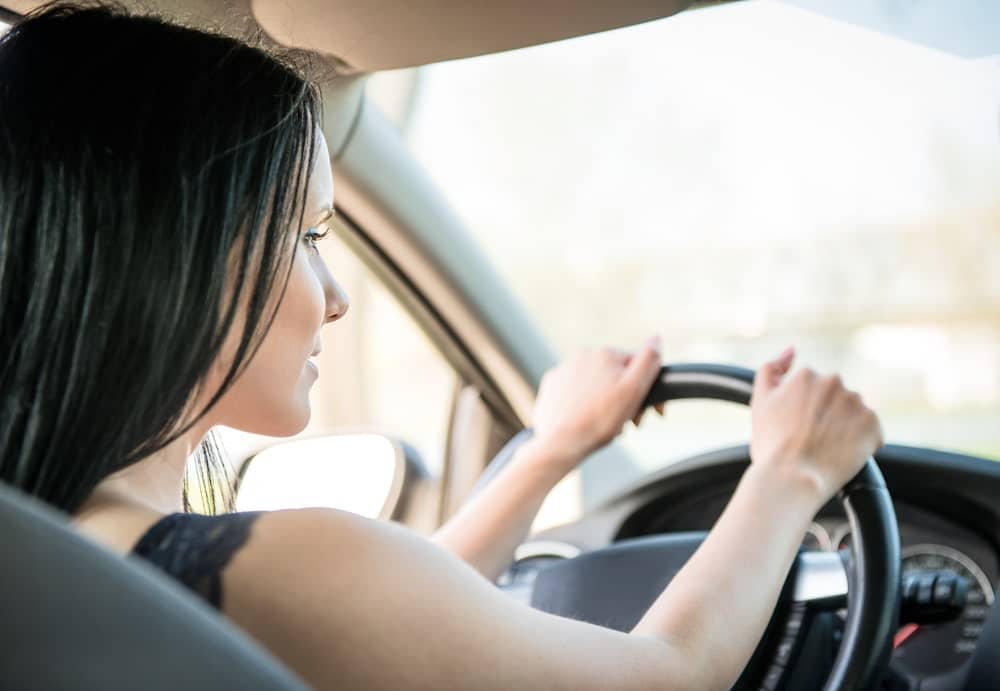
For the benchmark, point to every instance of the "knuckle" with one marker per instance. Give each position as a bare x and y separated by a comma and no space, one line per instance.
805,375
872,417
869,421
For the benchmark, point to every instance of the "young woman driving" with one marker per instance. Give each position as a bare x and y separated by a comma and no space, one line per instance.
161,194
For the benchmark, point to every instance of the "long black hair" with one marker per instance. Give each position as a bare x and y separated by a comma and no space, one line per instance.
150,175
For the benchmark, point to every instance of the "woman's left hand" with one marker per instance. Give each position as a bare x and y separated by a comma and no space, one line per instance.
584,402
582,405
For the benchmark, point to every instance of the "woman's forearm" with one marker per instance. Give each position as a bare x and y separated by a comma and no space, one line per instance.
730,584
733,581
490,525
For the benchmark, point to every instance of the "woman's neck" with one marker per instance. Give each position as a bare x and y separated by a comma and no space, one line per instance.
126,504
153,484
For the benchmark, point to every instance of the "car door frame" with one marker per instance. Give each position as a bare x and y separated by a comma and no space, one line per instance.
397,223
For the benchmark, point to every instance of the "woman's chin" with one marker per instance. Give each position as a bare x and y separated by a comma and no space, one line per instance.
297,420
284,423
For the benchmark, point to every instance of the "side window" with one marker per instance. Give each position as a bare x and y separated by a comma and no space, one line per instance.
379,374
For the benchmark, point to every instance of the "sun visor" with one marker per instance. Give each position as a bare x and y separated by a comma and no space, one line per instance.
370,35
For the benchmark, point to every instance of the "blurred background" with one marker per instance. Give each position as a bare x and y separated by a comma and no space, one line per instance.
738,179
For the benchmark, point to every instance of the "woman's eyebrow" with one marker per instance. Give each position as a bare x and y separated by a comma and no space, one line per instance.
324,215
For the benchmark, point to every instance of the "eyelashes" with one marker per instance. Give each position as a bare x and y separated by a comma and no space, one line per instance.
316,233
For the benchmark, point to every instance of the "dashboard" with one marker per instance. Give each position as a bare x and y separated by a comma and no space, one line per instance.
948,511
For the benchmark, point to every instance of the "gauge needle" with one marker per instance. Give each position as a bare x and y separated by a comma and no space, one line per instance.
904,634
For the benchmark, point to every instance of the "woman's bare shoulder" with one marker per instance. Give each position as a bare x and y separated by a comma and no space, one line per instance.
305,545
318,587
295,532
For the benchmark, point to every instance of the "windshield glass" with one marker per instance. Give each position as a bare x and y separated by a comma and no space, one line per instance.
738,179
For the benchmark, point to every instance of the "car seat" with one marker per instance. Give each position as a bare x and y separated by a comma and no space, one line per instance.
77,616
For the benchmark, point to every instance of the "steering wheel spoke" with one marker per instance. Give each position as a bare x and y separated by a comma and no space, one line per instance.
820,580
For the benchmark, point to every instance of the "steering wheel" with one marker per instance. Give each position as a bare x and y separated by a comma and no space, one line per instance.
615,585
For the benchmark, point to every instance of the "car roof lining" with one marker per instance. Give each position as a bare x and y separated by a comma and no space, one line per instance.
368,35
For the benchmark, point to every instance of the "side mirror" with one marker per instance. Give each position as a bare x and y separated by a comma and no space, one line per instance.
365,473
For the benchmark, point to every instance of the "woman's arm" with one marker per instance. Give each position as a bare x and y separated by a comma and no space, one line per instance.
582,404
488,527
810,437
351,603
716,608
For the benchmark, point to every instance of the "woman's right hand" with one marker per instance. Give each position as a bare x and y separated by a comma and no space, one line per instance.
809,429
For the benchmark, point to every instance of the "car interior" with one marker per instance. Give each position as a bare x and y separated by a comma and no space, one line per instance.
894,585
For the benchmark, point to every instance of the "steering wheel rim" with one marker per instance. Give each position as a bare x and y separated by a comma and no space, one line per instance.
873,575
873,591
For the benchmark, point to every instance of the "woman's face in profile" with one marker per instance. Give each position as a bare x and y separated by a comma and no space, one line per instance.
271,396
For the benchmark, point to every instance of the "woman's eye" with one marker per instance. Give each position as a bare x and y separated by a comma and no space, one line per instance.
315,234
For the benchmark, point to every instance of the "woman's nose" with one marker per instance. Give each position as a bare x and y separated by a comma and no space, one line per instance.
337,302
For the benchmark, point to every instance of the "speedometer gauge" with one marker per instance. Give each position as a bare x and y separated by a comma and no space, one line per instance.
932,649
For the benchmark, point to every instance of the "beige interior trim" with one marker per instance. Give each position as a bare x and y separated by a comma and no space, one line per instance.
369,35
390,196
469,440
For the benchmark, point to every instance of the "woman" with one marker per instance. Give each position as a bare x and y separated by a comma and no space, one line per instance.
161,194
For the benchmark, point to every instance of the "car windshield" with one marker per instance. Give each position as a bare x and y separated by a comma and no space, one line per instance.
738,179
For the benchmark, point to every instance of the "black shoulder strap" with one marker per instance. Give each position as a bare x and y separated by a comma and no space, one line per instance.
194,549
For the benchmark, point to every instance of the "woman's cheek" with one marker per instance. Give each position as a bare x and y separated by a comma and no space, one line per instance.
272,395
301,312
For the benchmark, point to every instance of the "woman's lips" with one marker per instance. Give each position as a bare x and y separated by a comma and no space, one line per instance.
311,364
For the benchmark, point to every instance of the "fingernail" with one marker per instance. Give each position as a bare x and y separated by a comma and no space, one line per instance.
654,342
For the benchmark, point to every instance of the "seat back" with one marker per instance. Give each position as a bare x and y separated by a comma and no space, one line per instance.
74,615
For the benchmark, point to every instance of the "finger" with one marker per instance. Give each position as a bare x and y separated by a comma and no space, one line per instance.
770,373
641,371
643,367
642,362
660,408
879,433
620,355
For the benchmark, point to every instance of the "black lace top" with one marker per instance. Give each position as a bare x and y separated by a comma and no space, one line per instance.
194,549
